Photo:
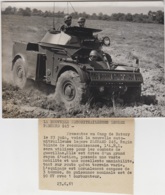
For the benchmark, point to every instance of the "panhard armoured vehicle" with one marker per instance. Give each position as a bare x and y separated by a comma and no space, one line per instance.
61,59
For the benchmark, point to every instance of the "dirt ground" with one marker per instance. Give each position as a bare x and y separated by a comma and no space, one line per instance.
128,40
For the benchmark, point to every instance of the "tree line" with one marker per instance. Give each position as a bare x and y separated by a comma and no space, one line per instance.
151,17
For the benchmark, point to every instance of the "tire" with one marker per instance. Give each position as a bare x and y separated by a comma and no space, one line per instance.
133,94
70,90
19,74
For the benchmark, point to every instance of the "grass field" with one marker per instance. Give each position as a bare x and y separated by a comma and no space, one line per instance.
128,40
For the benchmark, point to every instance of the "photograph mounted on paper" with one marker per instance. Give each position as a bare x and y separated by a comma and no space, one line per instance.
82,59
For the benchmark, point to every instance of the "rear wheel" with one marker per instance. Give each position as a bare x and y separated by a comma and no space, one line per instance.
19,74
70,90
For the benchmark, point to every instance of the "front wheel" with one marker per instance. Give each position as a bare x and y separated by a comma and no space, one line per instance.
19,74
70,90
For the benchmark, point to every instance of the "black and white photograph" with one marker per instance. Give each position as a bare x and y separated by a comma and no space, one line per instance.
82,97
82,59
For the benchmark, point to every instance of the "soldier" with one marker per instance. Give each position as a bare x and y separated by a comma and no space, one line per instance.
93,56
67,21
81,22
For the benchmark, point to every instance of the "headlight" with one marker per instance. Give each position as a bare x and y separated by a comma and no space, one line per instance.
106,41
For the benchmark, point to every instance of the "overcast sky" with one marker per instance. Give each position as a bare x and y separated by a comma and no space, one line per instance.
91,7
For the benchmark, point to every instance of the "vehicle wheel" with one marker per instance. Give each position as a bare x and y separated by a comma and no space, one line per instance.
133,94
70,90
19,74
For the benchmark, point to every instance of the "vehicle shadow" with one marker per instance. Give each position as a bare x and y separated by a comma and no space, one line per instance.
144,100
148,99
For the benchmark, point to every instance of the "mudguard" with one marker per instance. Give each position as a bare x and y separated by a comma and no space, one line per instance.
19,51
64,66
29,58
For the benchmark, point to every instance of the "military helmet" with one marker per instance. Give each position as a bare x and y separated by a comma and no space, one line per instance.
81,20
93,53
93,56
67,18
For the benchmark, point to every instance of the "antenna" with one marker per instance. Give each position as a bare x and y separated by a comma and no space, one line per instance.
72,7
54,16
67,8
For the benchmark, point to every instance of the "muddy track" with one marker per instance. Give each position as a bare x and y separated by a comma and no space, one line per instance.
37,101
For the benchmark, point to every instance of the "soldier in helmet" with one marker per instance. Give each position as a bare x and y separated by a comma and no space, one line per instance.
81,22
93,56
67,21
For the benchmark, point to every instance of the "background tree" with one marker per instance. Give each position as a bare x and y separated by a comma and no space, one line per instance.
27,12
128,17
10,10
151,17
160,17
94,16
